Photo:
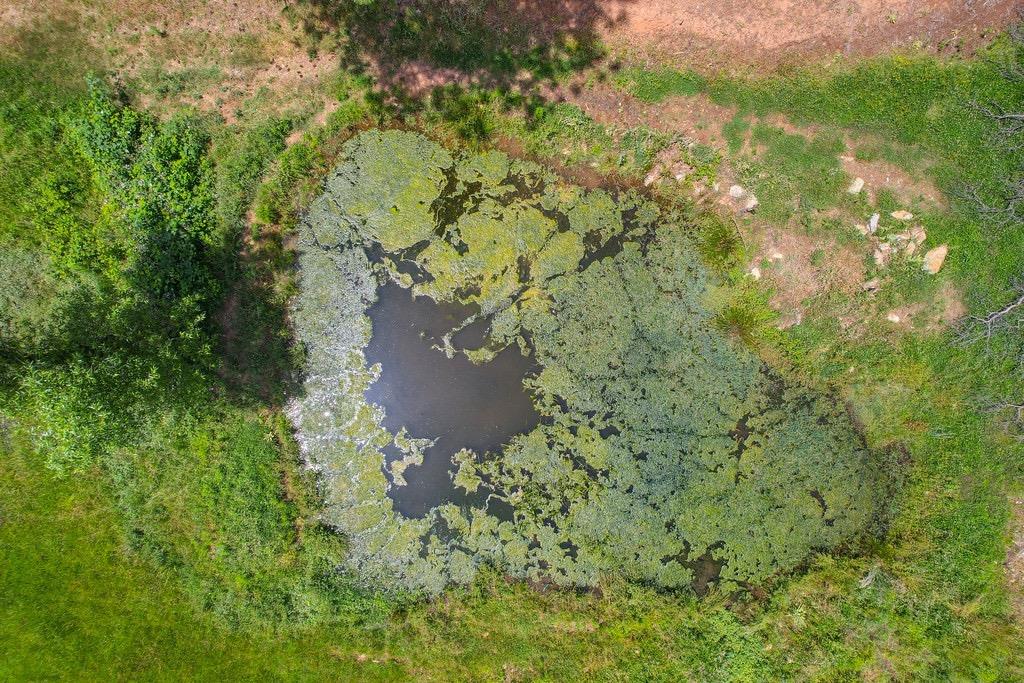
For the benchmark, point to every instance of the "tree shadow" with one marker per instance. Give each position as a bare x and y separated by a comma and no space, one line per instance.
416,45
258,362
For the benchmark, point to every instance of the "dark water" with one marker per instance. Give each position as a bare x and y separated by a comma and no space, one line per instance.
461,404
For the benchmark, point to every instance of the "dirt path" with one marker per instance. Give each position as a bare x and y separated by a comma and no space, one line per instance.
773,32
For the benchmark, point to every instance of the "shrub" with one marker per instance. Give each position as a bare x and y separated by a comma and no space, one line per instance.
217,496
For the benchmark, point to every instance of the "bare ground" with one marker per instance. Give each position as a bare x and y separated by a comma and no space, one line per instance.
774,32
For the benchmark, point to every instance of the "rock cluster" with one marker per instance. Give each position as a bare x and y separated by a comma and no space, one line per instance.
906,242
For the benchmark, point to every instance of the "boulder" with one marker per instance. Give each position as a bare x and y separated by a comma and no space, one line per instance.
934,259
680,170
902,215
856,186
873,223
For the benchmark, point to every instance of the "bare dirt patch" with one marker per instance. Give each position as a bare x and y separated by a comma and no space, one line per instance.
796,265
878,174
799,267
214,55
951,308
773,32
696,117
700,119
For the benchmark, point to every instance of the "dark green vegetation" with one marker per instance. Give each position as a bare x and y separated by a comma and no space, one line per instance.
122,255
928,602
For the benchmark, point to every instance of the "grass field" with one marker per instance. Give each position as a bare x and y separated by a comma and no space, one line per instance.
929,600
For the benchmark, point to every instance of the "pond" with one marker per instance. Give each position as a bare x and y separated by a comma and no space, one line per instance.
506,370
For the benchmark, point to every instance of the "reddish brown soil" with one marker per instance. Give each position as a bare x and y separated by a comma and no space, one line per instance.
696,117
771,32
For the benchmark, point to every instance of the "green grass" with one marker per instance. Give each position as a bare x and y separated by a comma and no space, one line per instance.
734,131
85,608
657,84
793,173
219,498
40,76
921,108
79,605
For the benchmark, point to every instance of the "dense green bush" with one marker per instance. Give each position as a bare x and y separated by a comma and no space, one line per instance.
157,182
107,301
241,160
106,307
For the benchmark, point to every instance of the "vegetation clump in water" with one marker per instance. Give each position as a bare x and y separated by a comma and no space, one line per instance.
664,451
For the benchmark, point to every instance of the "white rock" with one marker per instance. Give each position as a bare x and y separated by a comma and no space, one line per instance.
736,192
902,215
652,177
777,256
862,229
893,317
755,273
903,241
934,259
856,186
873,223
751,203
871,285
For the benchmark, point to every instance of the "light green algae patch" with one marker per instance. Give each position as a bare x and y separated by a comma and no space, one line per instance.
664,448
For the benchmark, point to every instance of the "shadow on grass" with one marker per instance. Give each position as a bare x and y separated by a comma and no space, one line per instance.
258,364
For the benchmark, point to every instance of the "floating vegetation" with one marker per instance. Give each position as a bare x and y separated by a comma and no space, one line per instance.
661,448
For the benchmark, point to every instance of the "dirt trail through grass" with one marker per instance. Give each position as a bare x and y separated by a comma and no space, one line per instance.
778,31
